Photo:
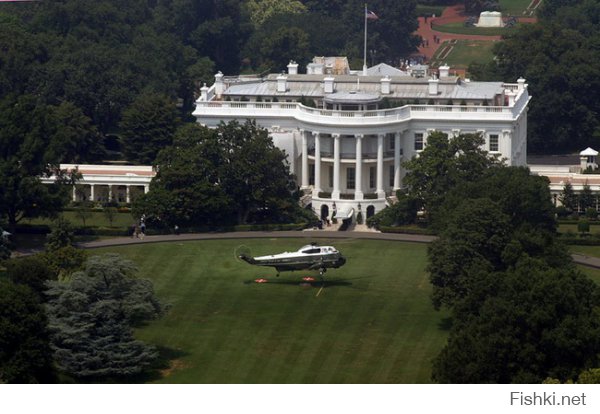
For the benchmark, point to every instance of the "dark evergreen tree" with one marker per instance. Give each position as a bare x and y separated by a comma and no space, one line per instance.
568,198
586,198
91,318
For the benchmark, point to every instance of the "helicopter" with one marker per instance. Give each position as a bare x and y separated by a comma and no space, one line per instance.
310,257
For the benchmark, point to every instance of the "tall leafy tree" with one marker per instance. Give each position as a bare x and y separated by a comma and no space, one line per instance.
147,127
32,144
444,163
220,176
25,355
91,317
253,171
522,326
263,10
471,245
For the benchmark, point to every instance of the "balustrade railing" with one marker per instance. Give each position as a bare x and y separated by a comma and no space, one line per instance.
300,111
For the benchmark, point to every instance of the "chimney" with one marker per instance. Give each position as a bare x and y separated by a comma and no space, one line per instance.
386,85
433,86
204,93
444,71
219,85
282,83
292,68
328,84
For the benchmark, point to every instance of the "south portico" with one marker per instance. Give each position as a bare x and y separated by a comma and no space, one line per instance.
350,169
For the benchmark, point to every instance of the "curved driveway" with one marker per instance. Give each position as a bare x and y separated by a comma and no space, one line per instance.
415,238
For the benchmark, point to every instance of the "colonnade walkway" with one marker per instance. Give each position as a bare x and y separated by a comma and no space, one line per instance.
309,235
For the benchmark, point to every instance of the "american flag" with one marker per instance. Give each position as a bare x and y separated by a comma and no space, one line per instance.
370,15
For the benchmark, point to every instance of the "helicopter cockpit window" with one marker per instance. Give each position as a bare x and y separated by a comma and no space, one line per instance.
309,251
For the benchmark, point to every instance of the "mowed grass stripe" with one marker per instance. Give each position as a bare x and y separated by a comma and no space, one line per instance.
372,323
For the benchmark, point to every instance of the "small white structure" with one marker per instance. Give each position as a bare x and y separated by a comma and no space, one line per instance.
588,159
490,19
103,183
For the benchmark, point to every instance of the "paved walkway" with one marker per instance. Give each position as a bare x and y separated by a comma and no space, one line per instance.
322,234
450,14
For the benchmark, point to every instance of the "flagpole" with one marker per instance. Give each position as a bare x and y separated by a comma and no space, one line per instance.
365,49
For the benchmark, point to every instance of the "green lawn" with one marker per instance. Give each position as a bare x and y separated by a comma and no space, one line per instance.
372,323
513,7
465,52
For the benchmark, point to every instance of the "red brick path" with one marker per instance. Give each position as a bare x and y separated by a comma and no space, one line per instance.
450,15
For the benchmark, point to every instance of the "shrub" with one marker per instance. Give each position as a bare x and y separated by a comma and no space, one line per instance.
561,212
583,226
591,213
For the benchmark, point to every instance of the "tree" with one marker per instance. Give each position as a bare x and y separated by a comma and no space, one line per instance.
472,243
91,318
147,127
253,172
220,177
31,271
442,165
404,211
568,198
523,325
556,57
25,355
263,10
110,213
586,198
61,234
83,213
30,147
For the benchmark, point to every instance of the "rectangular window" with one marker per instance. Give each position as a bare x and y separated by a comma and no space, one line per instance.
330,176
392,142
392,173
350,178
372,173
494,143
311,174
418,142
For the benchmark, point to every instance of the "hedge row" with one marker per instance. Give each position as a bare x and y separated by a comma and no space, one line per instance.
407,230
574,239
122,231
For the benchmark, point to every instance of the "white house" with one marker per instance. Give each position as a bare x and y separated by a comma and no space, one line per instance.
347,134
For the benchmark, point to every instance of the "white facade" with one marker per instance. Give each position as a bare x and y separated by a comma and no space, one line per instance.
103,183
347,152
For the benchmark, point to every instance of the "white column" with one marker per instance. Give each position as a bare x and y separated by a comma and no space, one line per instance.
317,187
92,192
335,194
110,192
146,188
304,185
74,193
128,194
380,191
358,193
396,161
